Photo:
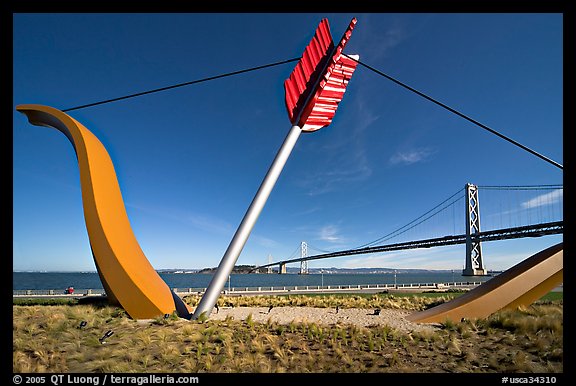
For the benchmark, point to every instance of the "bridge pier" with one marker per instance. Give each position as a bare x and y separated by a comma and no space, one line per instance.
282,268
474,262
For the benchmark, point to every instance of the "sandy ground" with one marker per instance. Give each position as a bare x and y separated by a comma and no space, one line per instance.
357,316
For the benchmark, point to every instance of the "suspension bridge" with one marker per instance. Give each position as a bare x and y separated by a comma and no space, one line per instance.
510,212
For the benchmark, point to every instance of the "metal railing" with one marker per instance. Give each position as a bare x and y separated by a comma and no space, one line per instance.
77,292
331,288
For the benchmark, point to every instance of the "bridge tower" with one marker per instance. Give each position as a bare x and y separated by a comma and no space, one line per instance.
269,269
474,262
303,263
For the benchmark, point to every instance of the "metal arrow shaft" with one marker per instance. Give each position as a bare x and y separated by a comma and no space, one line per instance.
230,257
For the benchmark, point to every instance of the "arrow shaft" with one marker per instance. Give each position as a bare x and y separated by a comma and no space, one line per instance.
231,255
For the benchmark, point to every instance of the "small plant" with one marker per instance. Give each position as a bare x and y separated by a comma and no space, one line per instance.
203,317
449,325
280,329
250,321
393,359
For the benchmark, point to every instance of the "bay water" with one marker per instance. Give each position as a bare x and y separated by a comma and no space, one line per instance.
91,280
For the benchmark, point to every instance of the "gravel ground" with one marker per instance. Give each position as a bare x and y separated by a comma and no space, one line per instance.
357,316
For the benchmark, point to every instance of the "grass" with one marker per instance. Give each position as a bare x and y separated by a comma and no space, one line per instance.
44,302
49,338
404,301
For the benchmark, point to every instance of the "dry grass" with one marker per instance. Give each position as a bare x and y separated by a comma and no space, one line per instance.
387,301
48,339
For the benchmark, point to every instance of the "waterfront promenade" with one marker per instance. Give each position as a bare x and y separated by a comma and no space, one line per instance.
281,290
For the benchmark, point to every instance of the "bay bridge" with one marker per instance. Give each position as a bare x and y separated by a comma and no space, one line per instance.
510,212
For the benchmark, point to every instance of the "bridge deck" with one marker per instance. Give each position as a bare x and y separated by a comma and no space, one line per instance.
537,230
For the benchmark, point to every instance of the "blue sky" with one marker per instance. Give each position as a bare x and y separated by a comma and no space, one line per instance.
189,160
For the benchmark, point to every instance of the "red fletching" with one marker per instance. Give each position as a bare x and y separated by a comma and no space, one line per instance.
297,87
317,84
321,109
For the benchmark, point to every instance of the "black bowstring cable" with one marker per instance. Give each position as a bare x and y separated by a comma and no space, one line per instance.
459,114
182,84
359,62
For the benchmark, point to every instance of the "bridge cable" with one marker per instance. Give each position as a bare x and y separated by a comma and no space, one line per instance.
424,220
182,84
293,254
550,200
522,187
318,249
459,114
386,237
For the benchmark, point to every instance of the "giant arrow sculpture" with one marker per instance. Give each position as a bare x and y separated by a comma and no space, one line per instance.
312,93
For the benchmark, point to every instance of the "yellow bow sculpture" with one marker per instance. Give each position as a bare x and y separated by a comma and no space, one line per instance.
126,274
